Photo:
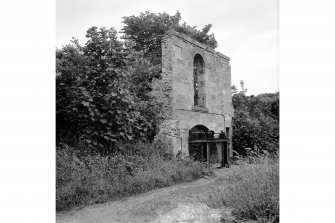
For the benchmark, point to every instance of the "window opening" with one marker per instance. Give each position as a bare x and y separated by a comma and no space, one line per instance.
198,81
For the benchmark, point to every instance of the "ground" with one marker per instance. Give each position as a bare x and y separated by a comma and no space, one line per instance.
178,203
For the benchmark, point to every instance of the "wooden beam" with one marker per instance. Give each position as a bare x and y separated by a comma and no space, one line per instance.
225,146
228,154
206,140
208,153
222,154
202,151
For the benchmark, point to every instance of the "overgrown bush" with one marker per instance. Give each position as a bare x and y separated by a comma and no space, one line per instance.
95,100
86,178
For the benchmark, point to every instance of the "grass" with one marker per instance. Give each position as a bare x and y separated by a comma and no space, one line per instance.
253,192
85,178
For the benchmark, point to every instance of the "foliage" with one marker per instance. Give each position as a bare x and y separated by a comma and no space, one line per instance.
103,88
143,34
147,30
202,36
141,72
256,197
252,192
256,122
96,99
88,178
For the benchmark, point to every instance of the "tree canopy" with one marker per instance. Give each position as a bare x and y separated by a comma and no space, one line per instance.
147,30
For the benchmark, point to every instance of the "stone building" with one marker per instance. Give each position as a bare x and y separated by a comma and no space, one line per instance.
196,89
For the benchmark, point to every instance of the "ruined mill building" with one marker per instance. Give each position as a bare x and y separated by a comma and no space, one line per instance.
196,90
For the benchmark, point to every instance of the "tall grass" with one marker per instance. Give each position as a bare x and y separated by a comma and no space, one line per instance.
253,193
86,178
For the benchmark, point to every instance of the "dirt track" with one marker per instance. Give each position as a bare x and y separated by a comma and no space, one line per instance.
178,203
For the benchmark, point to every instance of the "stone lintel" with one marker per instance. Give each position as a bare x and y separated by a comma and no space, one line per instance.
200,109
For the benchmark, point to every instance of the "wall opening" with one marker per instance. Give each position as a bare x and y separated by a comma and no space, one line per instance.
207,146
198,150
199,81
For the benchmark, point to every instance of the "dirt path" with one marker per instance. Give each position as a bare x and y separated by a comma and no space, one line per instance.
178,203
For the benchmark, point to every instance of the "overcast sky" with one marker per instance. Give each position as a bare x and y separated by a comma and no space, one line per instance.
246,30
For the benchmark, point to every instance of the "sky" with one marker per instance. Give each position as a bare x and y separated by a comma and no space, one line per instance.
246,30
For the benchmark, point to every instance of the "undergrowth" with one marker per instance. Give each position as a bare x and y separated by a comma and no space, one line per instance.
84,178
253,192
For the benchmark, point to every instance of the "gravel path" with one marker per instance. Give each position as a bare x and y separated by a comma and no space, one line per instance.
178,203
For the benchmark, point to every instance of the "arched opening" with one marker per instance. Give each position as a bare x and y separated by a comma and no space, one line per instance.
198,150
207,146
199,81
199,129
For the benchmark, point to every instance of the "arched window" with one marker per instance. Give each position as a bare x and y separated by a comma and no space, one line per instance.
199,81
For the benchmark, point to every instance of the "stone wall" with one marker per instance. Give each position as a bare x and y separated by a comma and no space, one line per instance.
177,90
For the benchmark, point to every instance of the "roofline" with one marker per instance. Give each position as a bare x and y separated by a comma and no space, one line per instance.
196,43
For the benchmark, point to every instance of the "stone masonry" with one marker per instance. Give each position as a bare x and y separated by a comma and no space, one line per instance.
177,91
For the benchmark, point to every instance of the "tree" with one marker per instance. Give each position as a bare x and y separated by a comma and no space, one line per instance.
70,63
94,99
233,89
256,121
147,30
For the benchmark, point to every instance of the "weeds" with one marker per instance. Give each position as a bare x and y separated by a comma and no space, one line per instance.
253,192
83,179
